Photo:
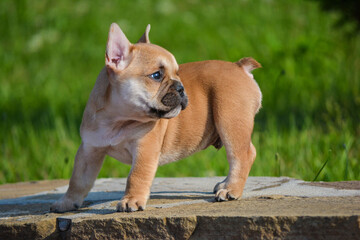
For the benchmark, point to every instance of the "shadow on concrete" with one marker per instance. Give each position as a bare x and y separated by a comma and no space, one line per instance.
40,204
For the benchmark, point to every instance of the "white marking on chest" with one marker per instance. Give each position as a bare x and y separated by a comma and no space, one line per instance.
104,136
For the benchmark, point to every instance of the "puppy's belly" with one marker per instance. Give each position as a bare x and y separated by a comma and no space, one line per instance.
170,157
179,153
121,154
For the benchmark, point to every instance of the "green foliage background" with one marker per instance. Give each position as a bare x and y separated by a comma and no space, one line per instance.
51,53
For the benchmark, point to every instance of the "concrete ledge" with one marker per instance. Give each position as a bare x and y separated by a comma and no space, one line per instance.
184,208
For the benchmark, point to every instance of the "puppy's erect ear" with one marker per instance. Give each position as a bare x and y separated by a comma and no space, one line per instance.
117,49
145,37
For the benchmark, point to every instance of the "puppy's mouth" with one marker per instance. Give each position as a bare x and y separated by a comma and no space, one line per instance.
173,103
158,113
175,99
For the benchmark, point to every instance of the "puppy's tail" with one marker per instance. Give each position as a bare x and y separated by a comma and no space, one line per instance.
248,64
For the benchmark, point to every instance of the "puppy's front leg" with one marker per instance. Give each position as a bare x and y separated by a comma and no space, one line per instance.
144,166
88,162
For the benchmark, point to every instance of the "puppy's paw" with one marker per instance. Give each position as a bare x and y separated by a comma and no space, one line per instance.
131,204
219,186
226,194
64,205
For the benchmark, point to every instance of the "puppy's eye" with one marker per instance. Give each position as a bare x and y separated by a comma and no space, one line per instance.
157,76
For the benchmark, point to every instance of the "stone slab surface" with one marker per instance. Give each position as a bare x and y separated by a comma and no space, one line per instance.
184,208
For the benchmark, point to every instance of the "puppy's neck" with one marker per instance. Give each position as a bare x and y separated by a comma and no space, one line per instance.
105,121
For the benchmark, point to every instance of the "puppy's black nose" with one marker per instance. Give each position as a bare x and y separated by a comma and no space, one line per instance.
180,90
177,86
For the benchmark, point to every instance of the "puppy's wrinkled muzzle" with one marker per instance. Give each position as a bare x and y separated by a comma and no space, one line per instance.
171,99
176,96
173,102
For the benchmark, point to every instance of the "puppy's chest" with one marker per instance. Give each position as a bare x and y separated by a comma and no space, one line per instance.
118,138
104,136
121,153
110,134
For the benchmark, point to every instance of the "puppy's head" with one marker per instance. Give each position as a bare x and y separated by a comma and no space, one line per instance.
143,78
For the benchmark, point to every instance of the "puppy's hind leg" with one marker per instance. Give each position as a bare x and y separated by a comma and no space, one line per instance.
235,129
88,162
240,162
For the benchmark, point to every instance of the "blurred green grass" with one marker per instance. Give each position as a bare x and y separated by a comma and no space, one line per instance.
52,51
